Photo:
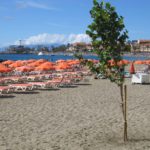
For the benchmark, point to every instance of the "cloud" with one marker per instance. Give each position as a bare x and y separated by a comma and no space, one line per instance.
46,38
32,4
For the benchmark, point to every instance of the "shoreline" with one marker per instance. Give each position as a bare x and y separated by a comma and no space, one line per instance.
57,56
89,53
140,54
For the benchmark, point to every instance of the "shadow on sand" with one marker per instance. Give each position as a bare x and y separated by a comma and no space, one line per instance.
84,84
139,140
70,86
26,92
48,89
7,96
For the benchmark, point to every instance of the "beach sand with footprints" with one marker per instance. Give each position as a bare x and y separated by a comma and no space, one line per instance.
86,116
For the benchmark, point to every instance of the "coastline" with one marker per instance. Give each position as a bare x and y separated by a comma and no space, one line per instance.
57,56
139,54
85,53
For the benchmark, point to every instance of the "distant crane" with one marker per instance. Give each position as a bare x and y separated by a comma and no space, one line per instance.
21,42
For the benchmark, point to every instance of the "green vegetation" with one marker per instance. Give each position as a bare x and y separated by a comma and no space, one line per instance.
109,36
108,39
61,48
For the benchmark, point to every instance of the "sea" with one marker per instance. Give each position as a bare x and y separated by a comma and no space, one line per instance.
56,57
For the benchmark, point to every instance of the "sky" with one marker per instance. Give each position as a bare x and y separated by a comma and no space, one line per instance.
64,21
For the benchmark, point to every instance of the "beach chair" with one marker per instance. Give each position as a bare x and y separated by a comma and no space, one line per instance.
5,89
16,79
21,87
78,78
56,82
33,78
2,81
140,78
47,76
65,81
42,85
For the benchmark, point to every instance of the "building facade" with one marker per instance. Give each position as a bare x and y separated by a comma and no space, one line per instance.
80,46
140,46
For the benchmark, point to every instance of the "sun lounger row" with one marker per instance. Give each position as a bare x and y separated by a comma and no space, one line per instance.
58,82
24,83
41,77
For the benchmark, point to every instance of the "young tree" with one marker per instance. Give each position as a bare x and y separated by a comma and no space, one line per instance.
109,36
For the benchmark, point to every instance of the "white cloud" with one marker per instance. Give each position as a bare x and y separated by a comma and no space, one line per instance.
26,4
46,38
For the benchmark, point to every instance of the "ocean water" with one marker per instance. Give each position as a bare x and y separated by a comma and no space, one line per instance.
33,56
56,57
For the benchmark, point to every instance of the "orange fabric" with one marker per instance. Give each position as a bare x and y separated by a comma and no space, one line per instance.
139,62
8,62
4,69
24,69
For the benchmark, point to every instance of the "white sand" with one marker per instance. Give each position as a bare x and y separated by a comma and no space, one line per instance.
86,117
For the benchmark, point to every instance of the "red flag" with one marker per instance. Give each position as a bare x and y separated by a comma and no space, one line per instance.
132,69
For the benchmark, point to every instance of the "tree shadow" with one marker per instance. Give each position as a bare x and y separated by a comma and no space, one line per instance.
139,140
130,140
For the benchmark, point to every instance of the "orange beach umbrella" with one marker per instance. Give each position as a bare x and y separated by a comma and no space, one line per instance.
8,62
123,62
4,69
31,60
62,67
41,61
60,60
16,64
139,62
24,69
44,68
35,64
147,62
48,63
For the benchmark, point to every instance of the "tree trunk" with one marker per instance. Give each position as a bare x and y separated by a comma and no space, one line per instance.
125,114
122,99
123,93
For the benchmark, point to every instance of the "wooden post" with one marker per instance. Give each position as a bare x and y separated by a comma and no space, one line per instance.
122,100
125,114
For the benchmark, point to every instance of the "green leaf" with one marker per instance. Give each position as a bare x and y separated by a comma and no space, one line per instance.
109,36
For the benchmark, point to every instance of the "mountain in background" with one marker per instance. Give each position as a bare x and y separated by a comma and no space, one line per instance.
38,46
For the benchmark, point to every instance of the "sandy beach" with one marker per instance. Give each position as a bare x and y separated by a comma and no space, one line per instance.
86,116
